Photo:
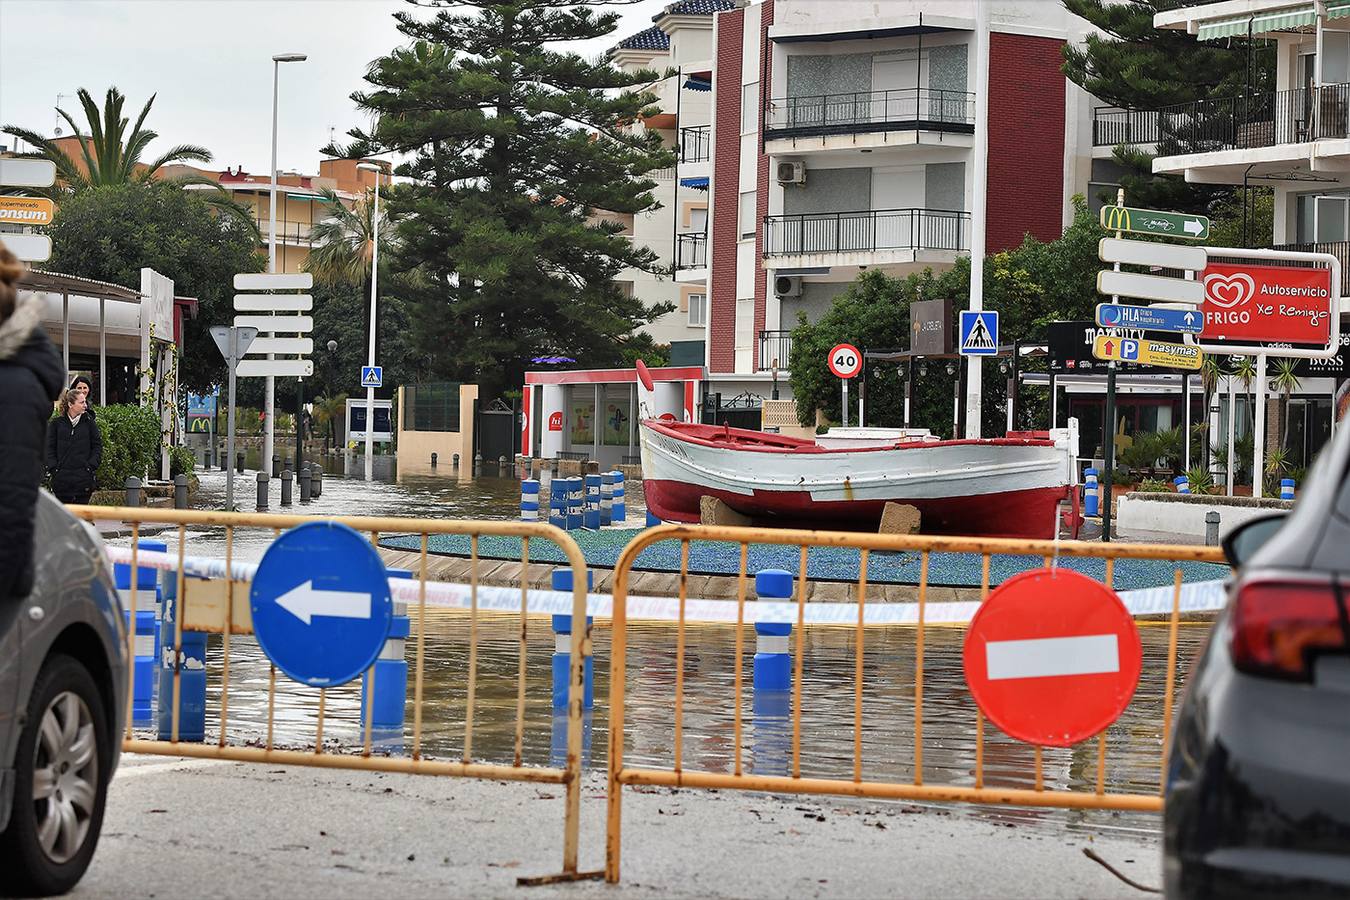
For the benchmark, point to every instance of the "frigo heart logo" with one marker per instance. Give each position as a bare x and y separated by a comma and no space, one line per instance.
1228,291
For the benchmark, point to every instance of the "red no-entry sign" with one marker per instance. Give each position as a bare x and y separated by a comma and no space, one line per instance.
1052,657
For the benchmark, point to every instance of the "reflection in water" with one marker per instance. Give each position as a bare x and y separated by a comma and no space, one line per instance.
1133,751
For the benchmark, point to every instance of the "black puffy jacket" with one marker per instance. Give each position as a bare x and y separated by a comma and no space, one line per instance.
74,453
31,378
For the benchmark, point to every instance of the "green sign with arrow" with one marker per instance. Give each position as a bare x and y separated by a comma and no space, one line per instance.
1152,221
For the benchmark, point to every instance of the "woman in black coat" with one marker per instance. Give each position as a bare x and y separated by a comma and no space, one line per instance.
74,450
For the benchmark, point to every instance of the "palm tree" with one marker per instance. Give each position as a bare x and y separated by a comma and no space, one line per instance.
111,155
1244,370
1286,382
342,245
1210,370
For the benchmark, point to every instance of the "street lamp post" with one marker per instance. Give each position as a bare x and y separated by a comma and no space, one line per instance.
370,353
269,387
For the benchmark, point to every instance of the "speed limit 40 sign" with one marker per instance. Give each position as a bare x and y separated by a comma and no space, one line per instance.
845,361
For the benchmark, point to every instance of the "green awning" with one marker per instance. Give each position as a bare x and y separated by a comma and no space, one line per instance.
1300,16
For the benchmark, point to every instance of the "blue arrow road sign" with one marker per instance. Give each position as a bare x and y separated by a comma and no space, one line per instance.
321,605
979,333
1150,318
372,376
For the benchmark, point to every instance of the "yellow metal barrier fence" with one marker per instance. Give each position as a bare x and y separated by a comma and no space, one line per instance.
227,613
856,786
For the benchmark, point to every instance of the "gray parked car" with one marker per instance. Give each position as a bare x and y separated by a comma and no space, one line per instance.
63,680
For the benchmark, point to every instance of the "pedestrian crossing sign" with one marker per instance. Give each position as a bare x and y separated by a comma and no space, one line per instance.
979,333
372,376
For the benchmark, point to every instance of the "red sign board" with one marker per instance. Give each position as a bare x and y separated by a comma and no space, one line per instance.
1257,304
555,421
1052,657
845,361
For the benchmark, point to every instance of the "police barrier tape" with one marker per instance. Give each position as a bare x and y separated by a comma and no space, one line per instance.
222,601
1196,597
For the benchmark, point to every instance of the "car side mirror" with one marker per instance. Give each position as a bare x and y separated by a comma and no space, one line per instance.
1250,536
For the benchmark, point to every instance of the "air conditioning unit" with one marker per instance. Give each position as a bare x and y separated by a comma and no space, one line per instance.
787,285
792,173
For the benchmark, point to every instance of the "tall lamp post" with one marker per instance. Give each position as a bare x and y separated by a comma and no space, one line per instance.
269,390
370,353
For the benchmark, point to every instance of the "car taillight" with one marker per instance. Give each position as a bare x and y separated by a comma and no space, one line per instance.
1280,626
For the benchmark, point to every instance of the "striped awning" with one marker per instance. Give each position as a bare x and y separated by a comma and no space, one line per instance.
1302,15
700,184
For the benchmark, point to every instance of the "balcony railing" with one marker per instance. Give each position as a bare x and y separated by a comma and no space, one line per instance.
1338,249
775,349
901,109
696,144
287,232
1230,123
871,229
691,251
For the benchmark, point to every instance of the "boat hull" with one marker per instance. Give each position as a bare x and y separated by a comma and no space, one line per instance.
1003,488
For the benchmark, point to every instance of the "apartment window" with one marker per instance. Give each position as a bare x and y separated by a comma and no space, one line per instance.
747,214
698,221
749,107
698,309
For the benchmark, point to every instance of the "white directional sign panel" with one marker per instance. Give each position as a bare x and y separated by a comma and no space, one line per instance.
27,173
271,302
278,368
278,281
277,324
1147,253
286,346
1150,287
28,247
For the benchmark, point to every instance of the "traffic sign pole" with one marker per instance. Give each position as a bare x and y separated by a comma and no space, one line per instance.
844,384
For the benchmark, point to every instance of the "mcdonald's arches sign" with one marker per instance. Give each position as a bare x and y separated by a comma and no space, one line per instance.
1151,221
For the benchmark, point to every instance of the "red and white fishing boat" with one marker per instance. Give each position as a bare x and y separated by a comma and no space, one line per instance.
1004,487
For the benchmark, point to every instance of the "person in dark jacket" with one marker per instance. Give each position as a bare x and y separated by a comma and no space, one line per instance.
30,380
85,387
74,450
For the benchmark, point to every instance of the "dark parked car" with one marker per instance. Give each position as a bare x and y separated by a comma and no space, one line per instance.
1258,793
63,677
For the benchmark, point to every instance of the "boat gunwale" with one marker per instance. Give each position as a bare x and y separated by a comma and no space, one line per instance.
675,432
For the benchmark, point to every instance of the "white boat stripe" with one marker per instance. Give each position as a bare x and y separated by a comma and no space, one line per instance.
1090,654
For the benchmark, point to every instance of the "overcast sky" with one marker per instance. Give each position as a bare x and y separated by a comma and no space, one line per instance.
209,63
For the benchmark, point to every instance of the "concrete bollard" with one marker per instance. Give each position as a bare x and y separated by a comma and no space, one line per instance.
239,462
180,491
316,481
1287,489
529,500
454,462
557,503
146,623
276,465
1183,484
562,647
190,663
619,510
1212,528
222,459
591,516
433,459
391,673
1092,497
606,498
262,492
477,463
306,484
575,503
133,488
286,487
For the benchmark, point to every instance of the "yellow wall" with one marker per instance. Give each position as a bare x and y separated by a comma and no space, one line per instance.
415,447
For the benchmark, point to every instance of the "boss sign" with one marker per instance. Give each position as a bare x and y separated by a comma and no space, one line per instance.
1267,303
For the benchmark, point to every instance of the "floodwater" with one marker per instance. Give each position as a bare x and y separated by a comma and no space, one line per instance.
709,744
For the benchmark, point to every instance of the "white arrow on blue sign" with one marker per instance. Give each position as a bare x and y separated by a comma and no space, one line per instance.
321,605
1150,318
372,376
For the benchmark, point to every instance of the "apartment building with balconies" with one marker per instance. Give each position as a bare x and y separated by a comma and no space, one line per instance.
843,138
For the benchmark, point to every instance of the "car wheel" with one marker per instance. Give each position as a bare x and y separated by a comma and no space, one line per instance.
61,783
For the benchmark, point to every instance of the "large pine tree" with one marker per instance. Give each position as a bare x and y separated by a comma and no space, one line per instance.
510,144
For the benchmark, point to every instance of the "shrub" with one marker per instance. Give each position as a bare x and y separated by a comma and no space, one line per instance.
182,460
1201,481
130,444
1154,486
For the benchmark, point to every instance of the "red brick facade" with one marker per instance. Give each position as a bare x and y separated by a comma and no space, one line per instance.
1025,183
762,179
726,156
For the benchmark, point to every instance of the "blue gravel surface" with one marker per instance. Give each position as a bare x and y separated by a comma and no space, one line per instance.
602,549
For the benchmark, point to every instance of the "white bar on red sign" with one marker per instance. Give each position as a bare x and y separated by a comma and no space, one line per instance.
279,281
1089,654
273,302
276,324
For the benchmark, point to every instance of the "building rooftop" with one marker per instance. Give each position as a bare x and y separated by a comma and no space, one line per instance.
695,8
651,39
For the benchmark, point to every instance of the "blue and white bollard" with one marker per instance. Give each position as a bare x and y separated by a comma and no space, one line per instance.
592,519
619,510
606,498
190,663
1286,489
146,619
575,502
772,679
557,503
562,647
1183,484
1091,493
529,500
391,674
